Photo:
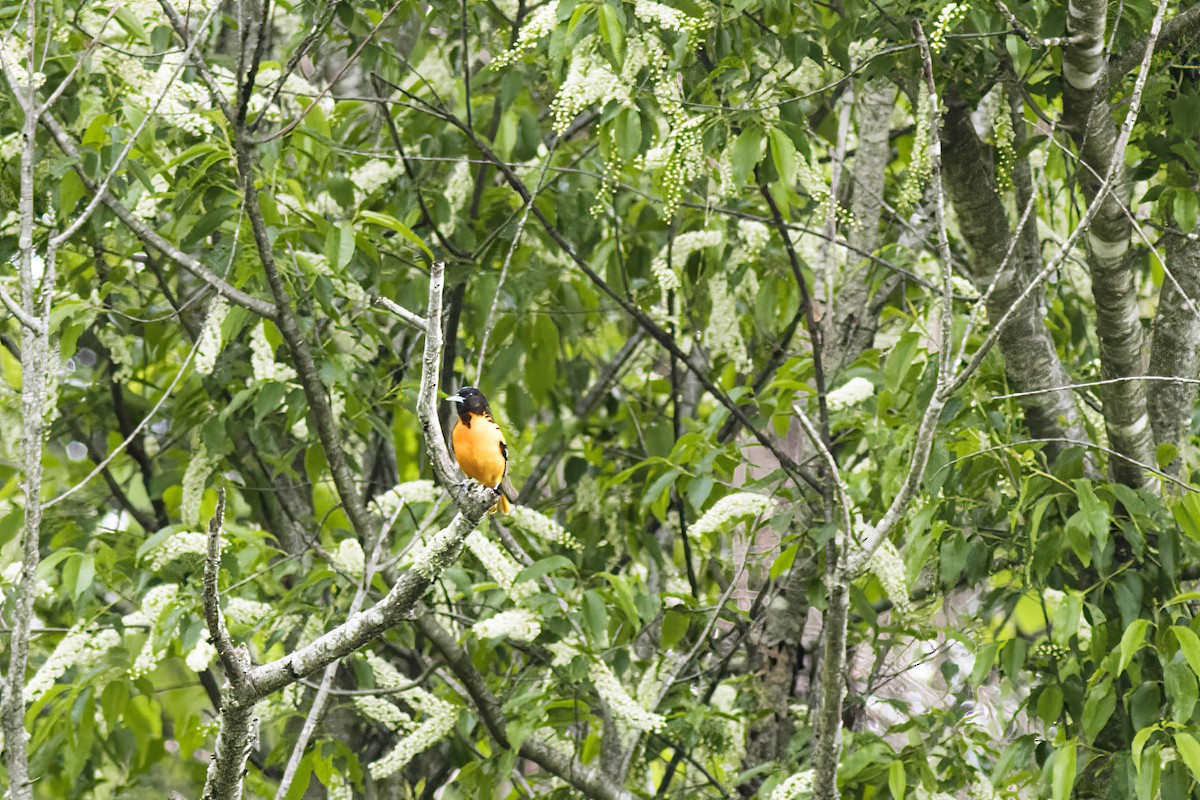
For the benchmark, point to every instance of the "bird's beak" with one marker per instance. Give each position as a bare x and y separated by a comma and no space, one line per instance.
454,398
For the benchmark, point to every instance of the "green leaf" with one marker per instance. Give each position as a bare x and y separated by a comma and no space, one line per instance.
783,154
1098,707
1189,643
1132,640
345,250
544,567
1181,688
1187,515
1062,778
1139,743
747,152
897,780
783,562
660,485
900,359
624,597
1050,704
206,225
612,32
390,222
629,132
1189,750
674,626
595,614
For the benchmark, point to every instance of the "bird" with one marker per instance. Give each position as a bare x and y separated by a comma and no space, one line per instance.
479,446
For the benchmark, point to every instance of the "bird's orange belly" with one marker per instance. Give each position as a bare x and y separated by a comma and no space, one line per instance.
478,452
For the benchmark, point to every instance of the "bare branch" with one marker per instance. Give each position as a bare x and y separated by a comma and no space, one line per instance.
235,661
407,317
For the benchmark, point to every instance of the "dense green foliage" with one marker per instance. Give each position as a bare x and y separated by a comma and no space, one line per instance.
656,628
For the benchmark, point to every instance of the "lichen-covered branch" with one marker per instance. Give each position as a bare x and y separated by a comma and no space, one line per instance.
362,627
35,365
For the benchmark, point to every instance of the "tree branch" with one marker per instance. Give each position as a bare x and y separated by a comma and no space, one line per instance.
587,780
148,235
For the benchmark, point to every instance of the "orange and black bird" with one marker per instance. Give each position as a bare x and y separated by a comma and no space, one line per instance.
479,445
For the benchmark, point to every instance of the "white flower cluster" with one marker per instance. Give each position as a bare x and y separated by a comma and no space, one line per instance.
667,18
242,615
147,205
1003,137
754,236
386,676
10,149
178,546
729,508
195,477
851,393
564,650
518,624
982,789
387,714
154,604
540,24
797,787
950,15
202,654
590,81
627,710
118,353
921,793
183,104
375,174
349,558
723,336
459,186
439,719
209,346
403,494
815,185
542,527
294,86
680,250
920,164
500,565
12,56
888,566
12,576
686,160
339,788
78,648
262,358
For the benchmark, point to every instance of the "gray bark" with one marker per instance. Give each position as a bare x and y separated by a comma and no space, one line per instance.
35,358
1175,342
1118,323
855,316
1030,358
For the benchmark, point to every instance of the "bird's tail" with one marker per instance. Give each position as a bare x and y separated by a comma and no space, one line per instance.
508,496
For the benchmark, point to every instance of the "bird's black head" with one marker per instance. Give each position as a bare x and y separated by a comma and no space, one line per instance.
468,401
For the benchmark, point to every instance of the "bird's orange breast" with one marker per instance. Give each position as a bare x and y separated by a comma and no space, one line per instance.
479,450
